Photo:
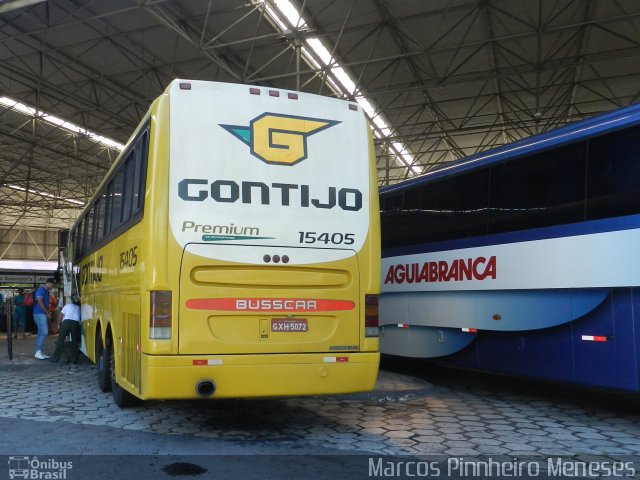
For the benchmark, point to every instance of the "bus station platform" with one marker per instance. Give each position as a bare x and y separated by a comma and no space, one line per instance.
23,350
389,387
409,413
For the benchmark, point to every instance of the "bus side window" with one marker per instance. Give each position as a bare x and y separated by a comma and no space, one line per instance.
139,178
456,207
76,241
544,189
116,198
129,181
613,183
391,218
81,238
86,231
101,205
108,209
91,227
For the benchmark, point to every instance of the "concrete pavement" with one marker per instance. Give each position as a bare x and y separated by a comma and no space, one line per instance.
404,416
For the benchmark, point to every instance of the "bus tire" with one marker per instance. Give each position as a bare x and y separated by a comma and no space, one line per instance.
122,398
103,365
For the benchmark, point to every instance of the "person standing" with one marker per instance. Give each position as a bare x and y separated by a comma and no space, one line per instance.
19,314
53,319
29,304
40,315
70,324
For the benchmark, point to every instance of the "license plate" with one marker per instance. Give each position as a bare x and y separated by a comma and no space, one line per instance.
289,325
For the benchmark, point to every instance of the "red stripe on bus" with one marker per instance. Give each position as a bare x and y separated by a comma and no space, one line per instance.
269,304
199,362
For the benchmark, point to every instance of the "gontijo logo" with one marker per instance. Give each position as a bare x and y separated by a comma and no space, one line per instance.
279,139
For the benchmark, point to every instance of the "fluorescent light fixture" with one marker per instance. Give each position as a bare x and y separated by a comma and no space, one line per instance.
44,194
68,126
11,5
337,77
35,265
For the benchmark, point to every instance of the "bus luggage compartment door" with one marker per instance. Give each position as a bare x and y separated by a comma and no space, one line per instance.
235,308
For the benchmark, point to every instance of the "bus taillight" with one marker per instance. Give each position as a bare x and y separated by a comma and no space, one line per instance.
160,317
371,315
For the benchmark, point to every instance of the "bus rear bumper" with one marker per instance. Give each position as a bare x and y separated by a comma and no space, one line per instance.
178,377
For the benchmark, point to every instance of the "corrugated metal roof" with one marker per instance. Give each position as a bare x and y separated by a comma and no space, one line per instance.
450,77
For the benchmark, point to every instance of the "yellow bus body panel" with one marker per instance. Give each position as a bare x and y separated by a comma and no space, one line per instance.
259,375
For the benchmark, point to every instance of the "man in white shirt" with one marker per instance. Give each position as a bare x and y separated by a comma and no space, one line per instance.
70,324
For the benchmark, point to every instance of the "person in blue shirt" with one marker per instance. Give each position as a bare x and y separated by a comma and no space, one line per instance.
41,314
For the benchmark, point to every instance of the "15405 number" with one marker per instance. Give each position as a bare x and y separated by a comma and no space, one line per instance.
129,258
327,238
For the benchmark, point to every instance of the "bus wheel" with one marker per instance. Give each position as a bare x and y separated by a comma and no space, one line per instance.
122,398
103,365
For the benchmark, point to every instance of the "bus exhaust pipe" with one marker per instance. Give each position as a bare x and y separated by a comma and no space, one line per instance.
206,388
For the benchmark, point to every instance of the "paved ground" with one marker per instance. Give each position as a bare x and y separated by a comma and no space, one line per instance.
405,416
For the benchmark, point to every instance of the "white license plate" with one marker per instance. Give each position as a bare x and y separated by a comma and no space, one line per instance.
289,325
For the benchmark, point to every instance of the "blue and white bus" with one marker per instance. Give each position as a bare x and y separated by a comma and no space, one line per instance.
524,259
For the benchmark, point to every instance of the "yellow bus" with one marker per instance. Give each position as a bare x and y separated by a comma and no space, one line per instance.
233,249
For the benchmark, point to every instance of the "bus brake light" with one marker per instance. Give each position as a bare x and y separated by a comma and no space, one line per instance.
160,317
371,315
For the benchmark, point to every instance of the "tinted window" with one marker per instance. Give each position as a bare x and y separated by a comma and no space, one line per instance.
90,226
129,178
107,211
78,239
139,181
456,207
544,189
392,202
120,201
392,220
408,230
85,234
614,174
99,221
443,210
116,198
